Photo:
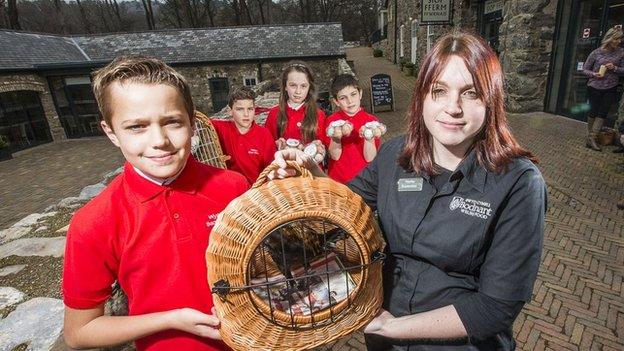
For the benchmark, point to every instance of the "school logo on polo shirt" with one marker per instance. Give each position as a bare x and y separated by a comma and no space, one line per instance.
253,151
471,207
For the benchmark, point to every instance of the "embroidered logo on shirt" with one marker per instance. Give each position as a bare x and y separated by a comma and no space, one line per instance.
253,152
471,207
211,220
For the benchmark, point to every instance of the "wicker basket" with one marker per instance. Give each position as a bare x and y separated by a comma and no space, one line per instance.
208,150
240,244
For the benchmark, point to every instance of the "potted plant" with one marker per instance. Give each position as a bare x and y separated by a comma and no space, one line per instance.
409,69
5,151
377,53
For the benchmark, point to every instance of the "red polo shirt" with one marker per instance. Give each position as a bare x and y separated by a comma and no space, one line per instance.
151,239
351,161
293,127
249,153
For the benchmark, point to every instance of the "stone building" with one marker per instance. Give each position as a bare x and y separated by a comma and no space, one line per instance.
542,44
45,85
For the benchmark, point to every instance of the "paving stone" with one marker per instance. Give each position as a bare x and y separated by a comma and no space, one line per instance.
39,177
91,191
11,269
12,233
34,247
37,322
9,296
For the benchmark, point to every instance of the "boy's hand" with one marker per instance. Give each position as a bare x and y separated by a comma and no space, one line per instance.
280,143
196,322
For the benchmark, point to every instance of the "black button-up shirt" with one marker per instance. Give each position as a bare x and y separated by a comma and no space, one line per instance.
481,233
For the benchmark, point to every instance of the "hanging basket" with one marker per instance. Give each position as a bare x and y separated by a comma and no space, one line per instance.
205,143
294,264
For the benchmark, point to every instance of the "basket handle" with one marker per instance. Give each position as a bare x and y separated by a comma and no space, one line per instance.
264,176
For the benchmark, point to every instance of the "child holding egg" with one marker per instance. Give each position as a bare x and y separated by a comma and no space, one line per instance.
354,134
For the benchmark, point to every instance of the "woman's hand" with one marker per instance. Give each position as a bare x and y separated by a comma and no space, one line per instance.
378,324
196,322
610,66
298,156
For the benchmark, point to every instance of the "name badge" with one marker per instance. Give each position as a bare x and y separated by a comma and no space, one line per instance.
410,184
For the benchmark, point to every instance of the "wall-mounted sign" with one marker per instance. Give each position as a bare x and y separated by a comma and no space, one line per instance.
436,12
493,6
618,26
586,32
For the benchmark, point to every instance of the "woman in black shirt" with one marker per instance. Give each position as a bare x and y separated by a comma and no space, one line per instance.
461,206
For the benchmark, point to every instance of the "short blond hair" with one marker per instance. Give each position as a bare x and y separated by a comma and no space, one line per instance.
138,69
612,34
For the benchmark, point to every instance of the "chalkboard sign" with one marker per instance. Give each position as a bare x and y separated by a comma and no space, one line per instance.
381,91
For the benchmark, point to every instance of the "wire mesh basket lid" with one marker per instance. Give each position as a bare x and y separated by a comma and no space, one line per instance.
294,264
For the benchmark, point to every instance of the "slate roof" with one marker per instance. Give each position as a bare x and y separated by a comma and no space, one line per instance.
26,50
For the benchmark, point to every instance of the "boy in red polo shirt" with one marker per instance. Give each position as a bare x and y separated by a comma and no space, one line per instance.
251,147
348,155
149,228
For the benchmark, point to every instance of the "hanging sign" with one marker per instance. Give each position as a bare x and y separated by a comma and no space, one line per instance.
586,32
436,12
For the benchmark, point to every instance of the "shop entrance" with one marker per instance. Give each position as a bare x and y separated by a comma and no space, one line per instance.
582,25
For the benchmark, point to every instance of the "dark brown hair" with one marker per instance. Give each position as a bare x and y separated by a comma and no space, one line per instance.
494,144
310,121
242,93
342,81
138,69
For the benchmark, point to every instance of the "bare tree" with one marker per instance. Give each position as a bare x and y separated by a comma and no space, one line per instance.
329,9
149,14
307,10
83,14
209,11
13,15
261,10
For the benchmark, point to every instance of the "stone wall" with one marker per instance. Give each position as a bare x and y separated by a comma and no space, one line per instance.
32,82
198,76
526,45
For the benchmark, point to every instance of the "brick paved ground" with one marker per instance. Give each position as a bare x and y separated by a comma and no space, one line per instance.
41,176
579,297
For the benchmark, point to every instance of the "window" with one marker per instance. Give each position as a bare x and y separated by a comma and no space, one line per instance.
249,81
76,105
22,119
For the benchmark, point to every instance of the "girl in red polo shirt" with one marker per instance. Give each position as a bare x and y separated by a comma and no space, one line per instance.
297,116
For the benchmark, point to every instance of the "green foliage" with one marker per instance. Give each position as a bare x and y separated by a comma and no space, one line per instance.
377,53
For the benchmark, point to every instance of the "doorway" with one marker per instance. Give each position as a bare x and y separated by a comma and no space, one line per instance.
219,90
578,36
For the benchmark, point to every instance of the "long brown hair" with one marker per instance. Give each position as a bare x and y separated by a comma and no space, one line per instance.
494,144
310,121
